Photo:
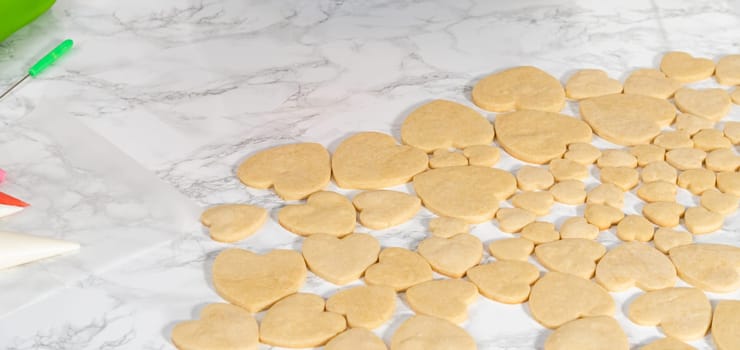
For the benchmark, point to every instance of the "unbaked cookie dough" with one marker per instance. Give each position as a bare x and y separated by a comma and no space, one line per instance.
711,267
728,70
616,158
609,194
299,321
221,326
686,68
324,212
443,226
505,281
635,228
576,256
443,158
697,180
446,298
511,249
233,222
591,83
699,220
558,298
726,325
578,227
512,220
340,260
382,209
584,153
566,169
711,104
650,82
659,171
635,264
423,332
673,139
663,214
452,256
519,88
444,124
710,140
537,202
532,178
571,192
682,313
364,306
589,333
627,119
482,155
399,269
665,239
691,124
540,232
657,191
602,216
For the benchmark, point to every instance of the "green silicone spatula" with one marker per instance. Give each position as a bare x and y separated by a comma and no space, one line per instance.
43,63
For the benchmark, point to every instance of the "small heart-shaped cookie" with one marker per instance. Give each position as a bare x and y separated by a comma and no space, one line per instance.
623,177
513,220
382,209
711,139
447,227
691,124
668,344
683,313
699,220
294,171
537,202
324,212
729,182
532,178
255,281
635,228
423,332
445,124
616,158
665,239
650,82
732,129
442,158
718,202
299,321
663,214
657,191
558,298
593,333
575,256
540,232
364,306
221,326
722,159
571,192
578,227
566,169
399,269
697,180
511,249
519,88
482,155
356,339
685,158
711,267
673,139
233,222
452,256
627,119
711,104
506,281
635,264
602,216
591,83
581,152
372,160
340,260
448,299
728,70
609,194
647,153
686,68
726,325
659,171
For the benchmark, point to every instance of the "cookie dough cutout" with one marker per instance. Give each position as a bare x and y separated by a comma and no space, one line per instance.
532,178
659,171
366,307
682,313
233,222
623,177
566,169
711,104
697,180
650,82
571,192
665,239
663,214
578,227
299,321
635,228
674,139
729,182
584,153
609,194
685,158
399,269
442,158
691,124
722,160
221,326
538,137
444,124
324,212
505,281
452,256
657,191
635,264
340,260
558,298
616,158
482,155
710,140
627,119
382,209
711,267
602,216
513,220
470,193
356,339
540,232
647,153
718,202
247,280
726,325
591,83
728,70
423,332
511,249
538,202
575,256
732,131
668,344
596,333
699,220
293,171
685,68
446,299
373,160
519,88
447,227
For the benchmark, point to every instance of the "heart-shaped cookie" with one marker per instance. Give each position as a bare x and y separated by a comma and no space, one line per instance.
609,194
443,226
635,228
294,171
685,68
683,313
536,202
697,180
711,104
663,214
447,298
583,153
726,325
513,220
382,209
482,155
511,249
578,227
665,239
575,256
633,264
340,260
364,306
650,82
728,70
356,339
452,256
399,269
255,281
718,202
729,182
558,298
722,159
591,83
711,267
600,332
699,220
221,326
506,281
627,119
299,321
668,344
711,139
372,160
602,216
691,124
519,88
233,222
442,158
444,124
324,212
538,137
423,332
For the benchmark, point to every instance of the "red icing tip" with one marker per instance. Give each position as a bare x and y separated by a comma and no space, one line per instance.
7,199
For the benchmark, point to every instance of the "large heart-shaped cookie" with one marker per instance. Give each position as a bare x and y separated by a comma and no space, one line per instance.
221,326
233,222
448,299
340,260
452,256
324,212
683,67
299,321
431,333
519,88
726,325
627,119
294,171
399,269
506,281
559,297
633,264
255,281
711,267
444,124
381,209
590,333
364,306
576,256
683,313
372,160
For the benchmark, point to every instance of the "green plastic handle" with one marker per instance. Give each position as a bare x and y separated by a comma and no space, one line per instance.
50,58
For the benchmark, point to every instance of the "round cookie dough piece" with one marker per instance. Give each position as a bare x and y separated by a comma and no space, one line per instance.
602,216
399,269
711,139
650,82
423,332
511,249
340,261
722,159
685,158
683,313
558,298
697,180
572,192
519,88
591,83
726,325
566,169
444,226
732,131
445,298
294,171
584,153
575,256
443,158
729,182
505,281
452,256
221,326
616,158
728,70
538,202
482,155
673,139
657,191
699,220
635,264
381,209
373,160
470,193
606,193
299,321
623,177
686,68
691,124
647,154
589,333
538,137
718,202
665,239
627,119
356,339
668,344
659,171
663,214
711,267
233,222
532,178
444,124
540,232
512,220
711,104
635,228
366,307
324,212
578,227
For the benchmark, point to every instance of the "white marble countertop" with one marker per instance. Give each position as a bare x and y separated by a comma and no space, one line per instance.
122,143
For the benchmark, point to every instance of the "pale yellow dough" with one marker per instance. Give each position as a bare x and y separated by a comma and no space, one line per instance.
635,228
511,249
356,339
657,191
602,216
221,326
399,269
711,267
443,158
711,139
673,139
627,119
665,239
623,177
382,209
668,344
735,96
635,264
711,104
691,124
233,222
686,68
647,153
558,298
729,182
718,202
512,220
722,159
537,202
732,129
659,171
584,153
299,321
578,227
699,220
482,155
532,178
606,193
324,212
364,306
519,88
575,256
566,169
445,124
591,83
682,313
446,298
540,232
505,281
572,192
616,158
590,333
340,260
685,158
650,82
728,70
697,180
726,325
431,333
447,227
452,256
663,214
